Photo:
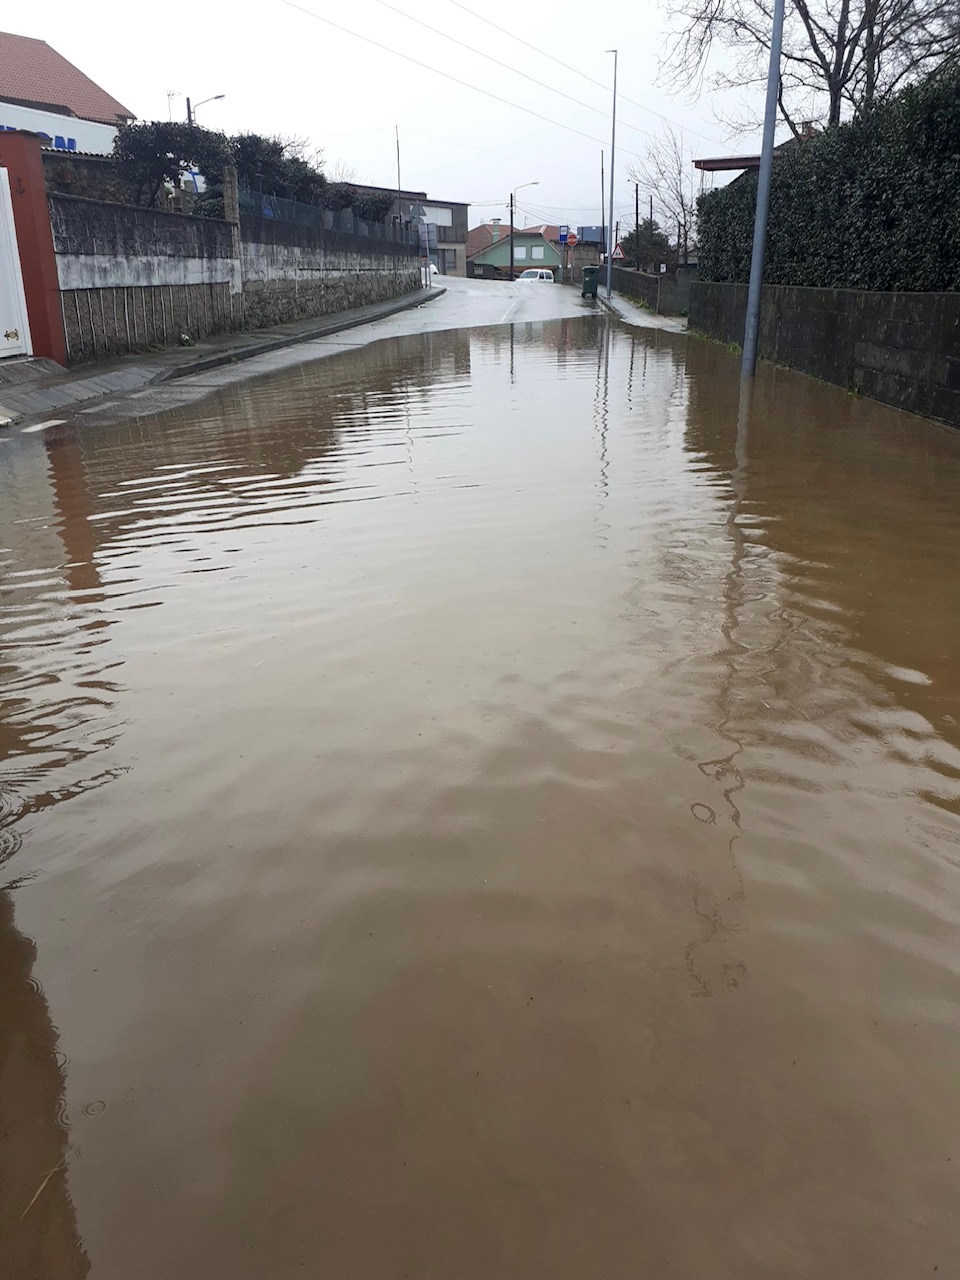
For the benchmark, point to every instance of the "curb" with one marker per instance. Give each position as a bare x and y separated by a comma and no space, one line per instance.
133,377
332,325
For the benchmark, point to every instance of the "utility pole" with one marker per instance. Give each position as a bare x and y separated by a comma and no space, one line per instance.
652,263
636,220
603,207
396,129
752,327
513,202
613,165
189,113
398,225
511,235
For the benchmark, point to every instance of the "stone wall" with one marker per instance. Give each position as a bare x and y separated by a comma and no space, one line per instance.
291,271
900,348
94,177
133,279
667,294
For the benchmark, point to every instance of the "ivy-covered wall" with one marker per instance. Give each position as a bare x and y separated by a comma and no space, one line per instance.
874,204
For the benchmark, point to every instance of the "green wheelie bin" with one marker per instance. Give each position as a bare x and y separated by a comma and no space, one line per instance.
588,282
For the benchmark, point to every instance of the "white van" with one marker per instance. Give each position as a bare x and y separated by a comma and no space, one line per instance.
536,273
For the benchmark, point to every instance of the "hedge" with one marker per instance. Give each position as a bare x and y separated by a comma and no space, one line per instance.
873,204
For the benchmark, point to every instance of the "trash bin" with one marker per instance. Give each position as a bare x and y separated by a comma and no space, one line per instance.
588,282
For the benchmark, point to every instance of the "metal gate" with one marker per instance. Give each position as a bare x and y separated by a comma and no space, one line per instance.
14,331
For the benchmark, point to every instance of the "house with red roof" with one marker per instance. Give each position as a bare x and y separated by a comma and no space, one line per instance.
488,250
42,92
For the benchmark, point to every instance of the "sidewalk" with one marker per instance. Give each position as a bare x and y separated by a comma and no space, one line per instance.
47,392
632,313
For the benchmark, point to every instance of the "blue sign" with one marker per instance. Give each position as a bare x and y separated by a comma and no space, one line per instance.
564,232
57,142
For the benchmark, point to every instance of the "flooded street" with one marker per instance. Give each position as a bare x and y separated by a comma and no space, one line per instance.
483,804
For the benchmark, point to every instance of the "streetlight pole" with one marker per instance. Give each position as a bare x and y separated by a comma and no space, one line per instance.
192,111
613,162
513,200
636,221
752,327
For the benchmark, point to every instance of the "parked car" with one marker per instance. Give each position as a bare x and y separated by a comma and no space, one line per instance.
536,273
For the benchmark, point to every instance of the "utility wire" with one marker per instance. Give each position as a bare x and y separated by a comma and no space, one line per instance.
437,72
600,111
576,70
460,143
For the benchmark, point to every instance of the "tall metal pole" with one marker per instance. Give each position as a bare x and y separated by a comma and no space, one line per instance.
189,113
636,221
653,265
752,329
396,129
603,206
511,235
613,168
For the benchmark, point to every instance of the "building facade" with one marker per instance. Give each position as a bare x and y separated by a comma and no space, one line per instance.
448,220
41,92
488,250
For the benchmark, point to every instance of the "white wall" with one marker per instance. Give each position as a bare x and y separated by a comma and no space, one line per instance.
85,135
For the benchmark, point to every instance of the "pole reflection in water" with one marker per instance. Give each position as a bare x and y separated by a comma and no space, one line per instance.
720,914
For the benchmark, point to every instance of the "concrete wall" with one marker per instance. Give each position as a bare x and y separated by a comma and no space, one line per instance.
291,271
133,279
667,294
900,348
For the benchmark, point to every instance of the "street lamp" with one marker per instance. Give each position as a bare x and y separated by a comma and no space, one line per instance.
192,111
513,198
613,165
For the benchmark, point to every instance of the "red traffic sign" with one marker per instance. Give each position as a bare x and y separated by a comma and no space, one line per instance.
618,253
571,238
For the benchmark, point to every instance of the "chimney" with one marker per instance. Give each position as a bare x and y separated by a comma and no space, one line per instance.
495,229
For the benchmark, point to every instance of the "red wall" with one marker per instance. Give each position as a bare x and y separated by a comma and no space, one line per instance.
20,156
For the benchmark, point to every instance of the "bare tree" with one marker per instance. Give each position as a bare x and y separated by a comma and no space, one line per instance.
343,172
666,173
839,56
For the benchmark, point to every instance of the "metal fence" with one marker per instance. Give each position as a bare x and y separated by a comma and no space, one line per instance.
259,205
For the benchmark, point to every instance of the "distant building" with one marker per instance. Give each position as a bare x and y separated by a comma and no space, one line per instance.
449,218
41,92
488,250
587,252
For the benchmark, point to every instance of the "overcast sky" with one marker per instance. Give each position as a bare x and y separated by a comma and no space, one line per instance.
286,72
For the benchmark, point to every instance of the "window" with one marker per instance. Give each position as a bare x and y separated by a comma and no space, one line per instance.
537,252
442,217
520,252
449,258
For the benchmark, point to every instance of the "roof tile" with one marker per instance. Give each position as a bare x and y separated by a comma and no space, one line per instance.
31,72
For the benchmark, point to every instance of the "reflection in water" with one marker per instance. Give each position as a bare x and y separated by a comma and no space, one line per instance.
38,1230
720,914
485,804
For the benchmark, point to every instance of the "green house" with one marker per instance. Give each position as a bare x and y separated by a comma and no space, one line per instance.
488,250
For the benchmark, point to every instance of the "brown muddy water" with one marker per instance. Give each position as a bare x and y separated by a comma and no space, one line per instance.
483,806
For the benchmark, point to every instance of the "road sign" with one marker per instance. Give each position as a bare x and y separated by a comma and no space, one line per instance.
572,239
618,254
564,234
